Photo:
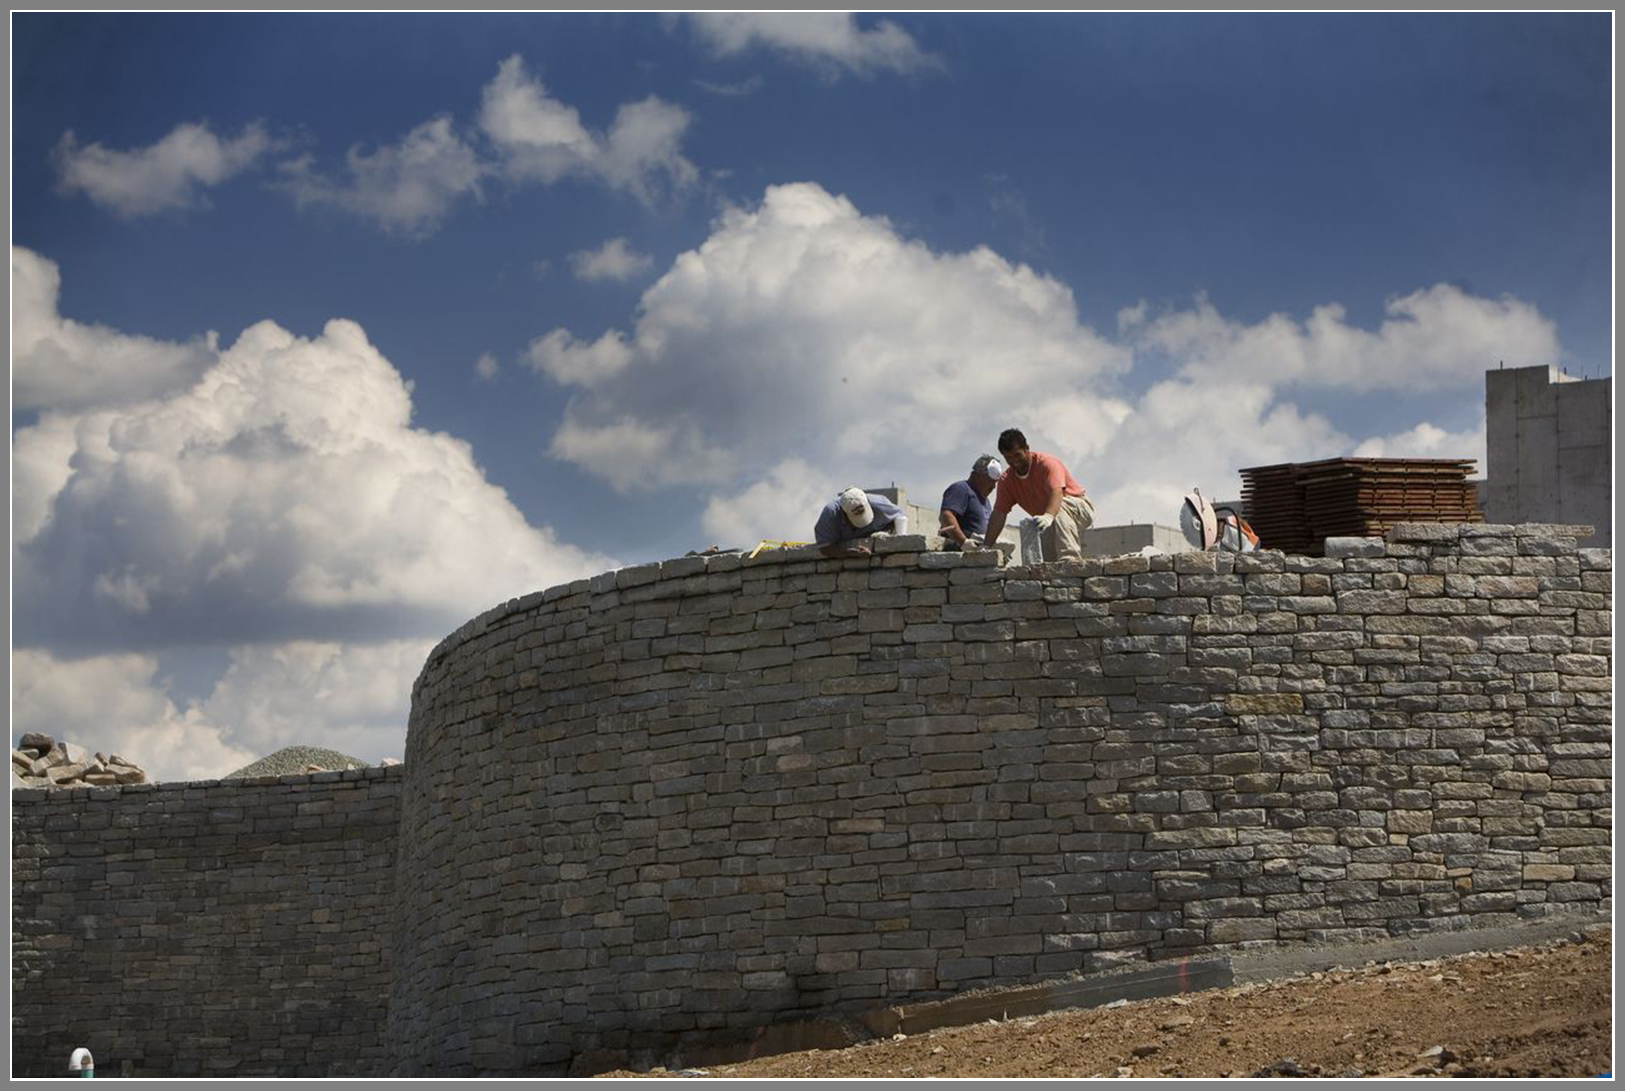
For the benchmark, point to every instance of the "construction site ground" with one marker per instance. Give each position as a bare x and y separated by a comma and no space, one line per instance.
1530,1002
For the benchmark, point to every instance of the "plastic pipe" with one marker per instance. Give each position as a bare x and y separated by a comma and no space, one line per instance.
82,1063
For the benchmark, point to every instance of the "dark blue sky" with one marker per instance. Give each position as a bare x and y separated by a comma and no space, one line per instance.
718,268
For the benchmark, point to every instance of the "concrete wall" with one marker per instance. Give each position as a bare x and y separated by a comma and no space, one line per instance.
1131,538
1550,439
232,928
674,802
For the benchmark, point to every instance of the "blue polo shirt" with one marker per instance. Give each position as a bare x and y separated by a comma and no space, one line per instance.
833,525
971,510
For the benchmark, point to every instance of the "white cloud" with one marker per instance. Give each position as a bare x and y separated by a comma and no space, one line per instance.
829,41
286,494
1428,440
486,367
1432,339
801,328
731,90
165,175
282,506
114,704
781,505
351,698
59,363
614,260
539,138
804,346
583,363
406,188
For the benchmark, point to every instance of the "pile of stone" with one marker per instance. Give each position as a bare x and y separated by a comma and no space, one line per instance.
298,759
40,761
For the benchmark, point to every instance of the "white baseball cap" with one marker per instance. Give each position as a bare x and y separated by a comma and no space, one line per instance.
855,503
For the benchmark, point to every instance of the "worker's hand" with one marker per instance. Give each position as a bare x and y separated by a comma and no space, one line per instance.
1044,521
857,551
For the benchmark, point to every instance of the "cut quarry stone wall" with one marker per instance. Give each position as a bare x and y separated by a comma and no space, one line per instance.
679,801
236,928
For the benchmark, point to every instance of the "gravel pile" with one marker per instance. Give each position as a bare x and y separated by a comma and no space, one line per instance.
298,759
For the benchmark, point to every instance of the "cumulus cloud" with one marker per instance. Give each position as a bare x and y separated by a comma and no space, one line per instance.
829,41
486,367
162,176
351,698
1428,440
115,704
583,363
804,346
285,495
1435,338
281,506
614,260
781,505
62,364
406,188
539,138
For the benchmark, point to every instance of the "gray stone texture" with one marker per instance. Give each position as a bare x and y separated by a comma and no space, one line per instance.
205,928
871,781
665,806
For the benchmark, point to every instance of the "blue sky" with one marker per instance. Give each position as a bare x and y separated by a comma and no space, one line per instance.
331,331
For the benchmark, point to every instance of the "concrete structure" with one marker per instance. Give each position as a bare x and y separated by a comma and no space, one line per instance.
1131,538
672,803
1550,439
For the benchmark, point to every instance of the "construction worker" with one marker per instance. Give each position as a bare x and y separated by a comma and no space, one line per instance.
964,505
854,515
1046,490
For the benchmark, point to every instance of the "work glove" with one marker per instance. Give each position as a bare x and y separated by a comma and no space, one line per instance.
1044,521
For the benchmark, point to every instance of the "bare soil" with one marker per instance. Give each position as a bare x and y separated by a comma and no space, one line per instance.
1528,1012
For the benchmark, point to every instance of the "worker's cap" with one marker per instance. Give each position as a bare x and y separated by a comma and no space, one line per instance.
989,465
855,503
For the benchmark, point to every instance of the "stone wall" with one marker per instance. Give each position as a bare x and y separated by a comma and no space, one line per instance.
678,801
233,928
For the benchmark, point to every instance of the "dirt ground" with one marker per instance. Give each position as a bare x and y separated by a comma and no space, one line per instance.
1531,1012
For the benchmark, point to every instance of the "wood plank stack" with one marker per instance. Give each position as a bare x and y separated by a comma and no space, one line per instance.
1296,506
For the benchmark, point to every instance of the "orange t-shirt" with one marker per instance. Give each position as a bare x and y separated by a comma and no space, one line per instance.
1044,476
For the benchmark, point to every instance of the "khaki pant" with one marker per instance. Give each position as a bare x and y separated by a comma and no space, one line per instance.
1077,515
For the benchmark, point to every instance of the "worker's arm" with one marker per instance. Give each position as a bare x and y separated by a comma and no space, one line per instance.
995,527
950,528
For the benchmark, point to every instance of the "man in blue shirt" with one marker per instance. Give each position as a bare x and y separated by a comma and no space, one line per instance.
964,506
853,515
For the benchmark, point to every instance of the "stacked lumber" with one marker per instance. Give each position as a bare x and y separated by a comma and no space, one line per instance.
1296,506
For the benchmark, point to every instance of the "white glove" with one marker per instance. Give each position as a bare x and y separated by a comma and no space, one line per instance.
1044,521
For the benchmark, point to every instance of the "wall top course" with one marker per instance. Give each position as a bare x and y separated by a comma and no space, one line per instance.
292,780
671,578
1447,532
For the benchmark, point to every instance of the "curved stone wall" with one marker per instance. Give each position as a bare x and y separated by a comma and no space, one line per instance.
679,801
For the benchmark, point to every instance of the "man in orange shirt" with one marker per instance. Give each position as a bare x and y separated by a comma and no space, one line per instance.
1046,490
